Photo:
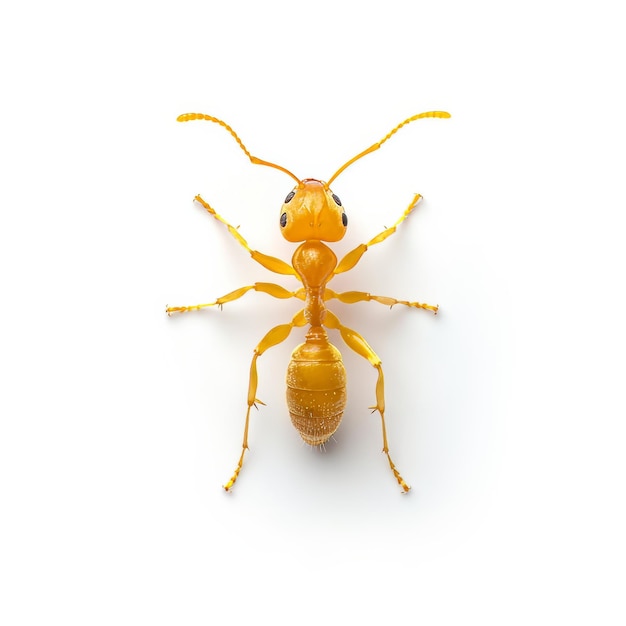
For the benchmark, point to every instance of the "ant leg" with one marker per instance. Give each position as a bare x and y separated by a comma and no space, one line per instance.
277,335
273,290
357,343
353,257
269,262
350,297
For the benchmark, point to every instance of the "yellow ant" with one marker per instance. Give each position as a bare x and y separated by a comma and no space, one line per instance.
316,377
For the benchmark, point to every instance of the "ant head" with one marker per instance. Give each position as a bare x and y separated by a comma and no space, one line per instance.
311,211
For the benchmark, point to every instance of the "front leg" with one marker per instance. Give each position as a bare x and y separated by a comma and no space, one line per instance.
353,257
269,262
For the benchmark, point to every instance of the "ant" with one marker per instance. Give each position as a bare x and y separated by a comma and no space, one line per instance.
316,378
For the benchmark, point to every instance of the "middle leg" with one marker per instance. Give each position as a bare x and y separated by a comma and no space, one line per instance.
271,289
350,297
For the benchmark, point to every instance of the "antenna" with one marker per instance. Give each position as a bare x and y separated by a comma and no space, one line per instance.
188,117
441,114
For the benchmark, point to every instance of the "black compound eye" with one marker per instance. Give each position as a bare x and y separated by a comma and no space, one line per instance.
290,195
336,199
283,219
344,219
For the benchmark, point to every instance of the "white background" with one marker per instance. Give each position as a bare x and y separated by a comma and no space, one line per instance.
505,412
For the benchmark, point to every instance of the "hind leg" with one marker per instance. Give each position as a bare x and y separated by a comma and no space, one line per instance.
277,335
357,343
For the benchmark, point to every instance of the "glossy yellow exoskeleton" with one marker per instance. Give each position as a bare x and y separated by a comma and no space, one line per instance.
316,379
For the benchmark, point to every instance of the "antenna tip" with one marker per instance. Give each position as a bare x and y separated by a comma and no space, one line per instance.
187,117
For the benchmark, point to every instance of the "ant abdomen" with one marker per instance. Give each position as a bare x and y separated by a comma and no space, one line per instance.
316,388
